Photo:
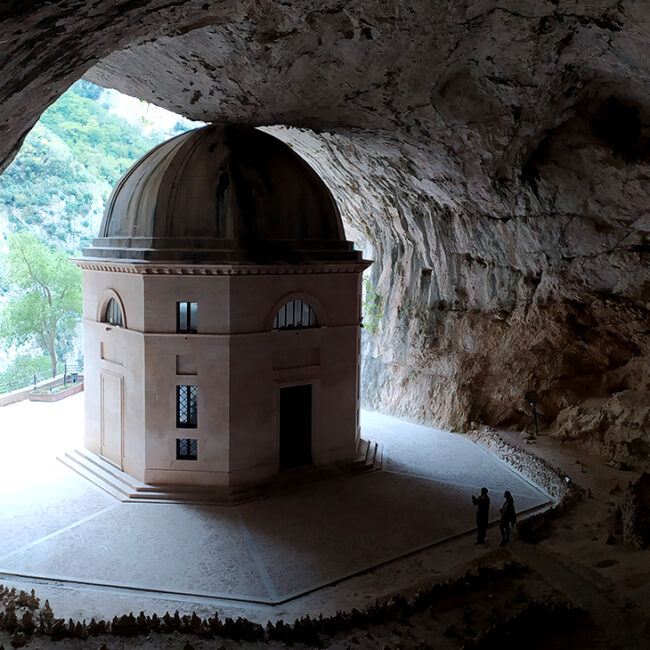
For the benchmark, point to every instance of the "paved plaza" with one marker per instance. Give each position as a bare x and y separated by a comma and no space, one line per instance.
56,526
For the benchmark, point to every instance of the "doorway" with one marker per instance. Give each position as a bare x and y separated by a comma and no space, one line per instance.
295,426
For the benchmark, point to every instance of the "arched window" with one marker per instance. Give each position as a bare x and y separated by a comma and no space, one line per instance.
113,313
295,314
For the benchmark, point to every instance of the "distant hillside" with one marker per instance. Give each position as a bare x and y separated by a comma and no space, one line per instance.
59,182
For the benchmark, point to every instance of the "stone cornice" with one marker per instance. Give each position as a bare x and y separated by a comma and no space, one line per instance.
154,268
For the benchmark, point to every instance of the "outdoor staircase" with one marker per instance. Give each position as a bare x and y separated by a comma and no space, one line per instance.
125,488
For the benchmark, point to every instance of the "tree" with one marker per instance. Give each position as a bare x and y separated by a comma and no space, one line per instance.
44,304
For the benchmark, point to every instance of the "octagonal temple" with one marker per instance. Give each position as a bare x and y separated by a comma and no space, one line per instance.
221,316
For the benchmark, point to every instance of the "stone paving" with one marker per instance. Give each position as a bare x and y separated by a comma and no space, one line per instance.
54,525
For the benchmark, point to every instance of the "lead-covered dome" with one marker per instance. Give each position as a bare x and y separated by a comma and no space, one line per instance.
222,193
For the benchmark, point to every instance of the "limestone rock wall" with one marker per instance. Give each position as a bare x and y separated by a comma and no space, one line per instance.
491,156
544,285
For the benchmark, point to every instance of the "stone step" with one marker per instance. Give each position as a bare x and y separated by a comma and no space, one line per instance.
102,467
93,474
125,488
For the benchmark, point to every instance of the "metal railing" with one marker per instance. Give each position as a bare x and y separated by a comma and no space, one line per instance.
70,372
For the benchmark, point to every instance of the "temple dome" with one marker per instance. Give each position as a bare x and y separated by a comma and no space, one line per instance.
222,194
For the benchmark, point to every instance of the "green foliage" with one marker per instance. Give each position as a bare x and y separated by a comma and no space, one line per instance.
372,306
87,89
44,304
104,144
21,372
61,178
45,188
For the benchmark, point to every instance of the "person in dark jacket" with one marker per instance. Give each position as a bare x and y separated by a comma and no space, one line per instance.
507,517
482,503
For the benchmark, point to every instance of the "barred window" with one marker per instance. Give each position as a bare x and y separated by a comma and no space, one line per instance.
295,314
113,313
186,317
187,449
186,406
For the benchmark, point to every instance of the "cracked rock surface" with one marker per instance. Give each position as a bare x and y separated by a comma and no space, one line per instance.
492,157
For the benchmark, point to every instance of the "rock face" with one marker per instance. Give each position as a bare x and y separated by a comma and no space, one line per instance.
492,157
636,513
476,309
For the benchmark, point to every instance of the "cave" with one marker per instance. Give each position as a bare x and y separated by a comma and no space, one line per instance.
492,158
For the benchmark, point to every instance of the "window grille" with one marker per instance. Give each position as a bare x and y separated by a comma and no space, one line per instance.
186,317
186,415
113,313
187,449
295,314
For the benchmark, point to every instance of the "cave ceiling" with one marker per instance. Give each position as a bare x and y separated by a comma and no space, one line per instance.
475,85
